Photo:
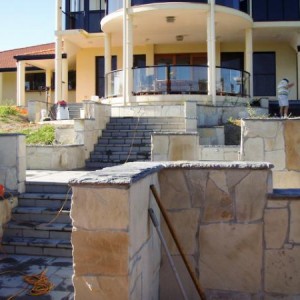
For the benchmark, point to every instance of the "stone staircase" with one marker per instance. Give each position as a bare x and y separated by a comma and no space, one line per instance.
74,110
36,228
128,139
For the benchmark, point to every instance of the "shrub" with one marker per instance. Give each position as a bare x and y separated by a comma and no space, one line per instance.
6,111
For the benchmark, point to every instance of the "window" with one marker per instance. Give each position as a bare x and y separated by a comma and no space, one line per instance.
139,60
264,73
77,5
72,80
97,5
35,81
232,60
276,10
100,76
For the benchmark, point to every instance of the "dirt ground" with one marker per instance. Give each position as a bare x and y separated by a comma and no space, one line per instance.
15,124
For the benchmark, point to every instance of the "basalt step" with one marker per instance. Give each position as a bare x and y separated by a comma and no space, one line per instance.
127,139
37,246
145,126
146,120
49,200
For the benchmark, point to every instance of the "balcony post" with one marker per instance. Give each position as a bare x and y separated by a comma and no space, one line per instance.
58,52
48,84
107,61
127,52
21,83
249,57
211,52
65,80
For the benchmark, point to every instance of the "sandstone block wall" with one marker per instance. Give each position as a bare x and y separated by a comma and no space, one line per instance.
276,141
170,146
55,157
216,153
12,173
218,216
282,247
116,249
13,162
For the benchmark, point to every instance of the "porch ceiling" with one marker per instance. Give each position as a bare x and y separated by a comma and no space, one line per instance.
82,39
150,26
45,64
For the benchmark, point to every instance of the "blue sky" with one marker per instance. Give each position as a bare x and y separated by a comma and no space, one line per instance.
26,23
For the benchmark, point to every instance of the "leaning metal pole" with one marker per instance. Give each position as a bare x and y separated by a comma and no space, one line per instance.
170,227
156,225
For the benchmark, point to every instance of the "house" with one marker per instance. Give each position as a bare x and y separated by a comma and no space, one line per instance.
167,51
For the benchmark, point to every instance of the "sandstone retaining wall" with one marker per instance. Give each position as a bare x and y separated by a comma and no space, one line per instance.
276,141
241,239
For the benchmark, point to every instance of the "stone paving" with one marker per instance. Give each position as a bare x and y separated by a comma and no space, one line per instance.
58,270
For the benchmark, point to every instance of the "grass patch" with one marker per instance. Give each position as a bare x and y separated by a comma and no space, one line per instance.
14,119
44,135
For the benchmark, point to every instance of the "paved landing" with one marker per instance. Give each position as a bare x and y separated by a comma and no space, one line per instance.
14,267
52,176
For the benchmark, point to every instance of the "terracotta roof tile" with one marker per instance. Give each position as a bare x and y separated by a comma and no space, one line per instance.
7,60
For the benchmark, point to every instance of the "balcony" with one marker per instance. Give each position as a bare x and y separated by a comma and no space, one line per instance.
113,5
84,14
179,79
242,5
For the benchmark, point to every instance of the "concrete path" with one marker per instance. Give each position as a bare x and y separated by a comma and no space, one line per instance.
59,270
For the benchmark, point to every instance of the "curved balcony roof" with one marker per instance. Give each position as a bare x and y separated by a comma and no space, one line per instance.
150,25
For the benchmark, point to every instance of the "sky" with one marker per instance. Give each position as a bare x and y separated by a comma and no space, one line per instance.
26,23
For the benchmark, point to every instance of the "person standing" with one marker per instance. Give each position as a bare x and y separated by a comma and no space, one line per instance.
283,96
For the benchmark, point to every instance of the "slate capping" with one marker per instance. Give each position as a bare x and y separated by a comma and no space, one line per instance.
129,173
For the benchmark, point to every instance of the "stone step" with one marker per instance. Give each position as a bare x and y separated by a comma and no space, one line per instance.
126,133
74,110
40,214
38,230
124,141
145,120
129,139
120,160
48,200
111,148
37,246
47,188
130,152
146,126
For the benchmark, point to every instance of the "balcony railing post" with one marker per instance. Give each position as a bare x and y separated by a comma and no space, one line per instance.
168,79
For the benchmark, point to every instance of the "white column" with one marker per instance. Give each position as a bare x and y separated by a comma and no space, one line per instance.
211,52
48,85
107,61
127,52
249,57
129,66
20,83
65,80
1,87
58,52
